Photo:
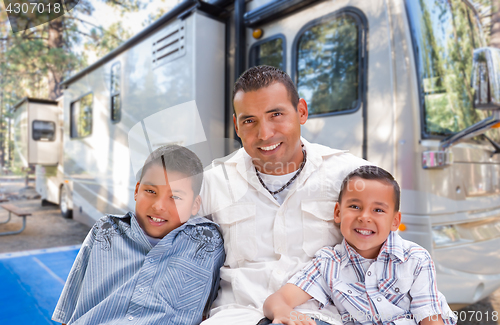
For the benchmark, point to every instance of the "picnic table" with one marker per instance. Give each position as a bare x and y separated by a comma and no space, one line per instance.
18,212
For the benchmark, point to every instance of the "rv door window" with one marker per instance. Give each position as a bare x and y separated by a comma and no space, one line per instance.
115,92
43,130
328,64
445,33
81,117
270,51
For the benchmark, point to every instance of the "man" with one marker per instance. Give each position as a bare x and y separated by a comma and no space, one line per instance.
274,198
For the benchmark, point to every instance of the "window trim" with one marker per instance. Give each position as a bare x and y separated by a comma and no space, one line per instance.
33,131
362,24
253,55
71,117
111,94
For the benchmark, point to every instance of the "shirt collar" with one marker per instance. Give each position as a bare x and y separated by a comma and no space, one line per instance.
315,155
316,152
392,246
349,254
171,235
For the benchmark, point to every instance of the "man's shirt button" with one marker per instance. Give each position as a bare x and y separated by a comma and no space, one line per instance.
397,289
130,318
379,299
151,260
349,291
141,290
369,273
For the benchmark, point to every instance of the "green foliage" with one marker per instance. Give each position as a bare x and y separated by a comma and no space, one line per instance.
33,62
445,64
328,66
163,8
103,41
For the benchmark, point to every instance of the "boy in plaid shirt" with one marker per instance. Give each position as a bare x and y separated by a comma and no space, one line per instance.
374,276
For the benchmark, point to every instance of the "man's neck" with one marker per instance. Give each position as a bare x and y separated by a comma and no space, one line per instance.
280,168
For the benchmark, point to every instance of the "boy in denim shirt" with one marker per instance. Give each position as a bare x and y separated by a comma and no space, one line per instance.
374,276
154,266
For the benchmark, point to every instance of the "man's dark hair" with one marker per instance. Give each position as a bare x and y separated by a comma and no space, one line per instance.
263,76
375,173
176,158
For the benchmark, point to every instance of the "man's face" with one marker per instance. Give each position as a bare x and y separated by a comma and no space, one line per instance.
367,215
163,204
269,127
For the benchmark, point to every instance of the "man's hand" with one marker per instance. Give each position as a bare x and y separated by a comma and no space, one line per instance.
292,317
432,320
279,306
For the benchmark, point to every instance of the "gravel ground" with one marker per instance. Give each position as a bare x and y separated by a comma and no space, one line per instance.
486,311
46,228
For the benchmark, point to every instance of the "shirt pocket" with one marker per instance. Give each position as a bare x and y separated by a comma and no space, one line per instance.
318,224
186,286
396,290
238,226
347,291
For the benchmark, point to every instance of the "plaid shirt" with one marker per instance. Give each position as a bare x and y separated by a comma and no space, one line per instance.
119,278
398,287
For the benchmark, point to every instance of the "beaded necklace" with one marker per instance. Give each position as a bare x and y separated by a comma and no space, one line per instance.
273,193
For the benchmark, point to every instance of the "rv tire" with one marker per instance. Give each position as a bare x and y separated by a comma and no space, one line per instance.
64,204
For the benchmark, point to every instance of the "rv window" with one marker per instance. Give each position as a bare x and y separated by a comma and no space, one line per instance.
115,92
328,65
445,34
270,51
81,117
43,130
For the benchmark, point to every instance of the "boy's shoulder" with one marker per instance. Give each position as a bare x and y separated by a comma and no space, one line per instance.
335,253
109,226
204,232
116,222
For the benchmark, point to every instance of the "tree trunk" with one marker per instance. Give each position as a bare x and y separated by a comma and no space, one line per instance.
55,71
2,131
495,24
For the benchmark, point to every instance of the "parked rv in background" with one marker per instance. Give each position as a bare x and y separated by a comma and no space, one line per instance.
37,136
390,80
37,139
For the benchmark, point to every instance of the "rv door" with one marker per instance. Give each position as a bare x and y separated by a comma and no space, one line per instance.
324,49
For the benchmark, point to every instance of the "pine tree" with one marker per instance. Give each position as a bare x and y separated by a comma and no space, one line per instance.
33,62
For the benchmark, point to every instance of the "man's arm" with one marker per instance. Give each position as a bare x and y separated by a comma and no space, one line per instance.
432,320
279,306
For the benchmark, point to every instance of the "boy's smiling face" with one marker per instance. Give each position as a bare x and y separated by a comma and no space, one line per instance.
164,201
367,215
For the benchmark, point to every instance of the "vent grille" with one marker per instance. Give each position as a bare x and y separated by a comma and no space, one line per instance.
169,44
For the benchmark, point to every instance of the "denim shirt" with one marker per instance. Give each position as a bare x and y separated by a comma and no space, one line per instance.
119,278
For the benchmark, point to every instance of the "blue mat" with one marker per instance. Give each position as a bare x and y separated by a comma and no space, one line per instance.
31,282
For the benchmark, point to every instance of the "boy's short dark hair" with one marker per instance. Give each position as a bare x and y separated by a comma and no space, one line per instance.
262,76
375,173
176,158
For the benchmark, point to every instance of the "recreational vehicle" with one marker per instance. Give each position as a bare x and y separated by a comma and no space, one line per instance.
37,136
389,80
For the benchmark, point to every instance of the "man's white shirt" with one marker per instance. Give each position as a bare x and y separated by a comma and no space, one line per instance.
267,242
